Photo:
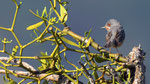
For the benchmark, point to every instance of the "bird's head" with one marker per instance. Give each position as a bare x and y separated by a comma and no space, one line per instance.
110,24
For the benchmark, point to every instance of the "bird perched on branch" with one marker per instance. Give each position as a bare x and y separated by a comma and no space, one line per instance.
115,34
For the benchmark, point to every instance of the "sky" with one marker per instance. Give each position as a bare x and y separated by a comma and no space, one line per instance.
134,16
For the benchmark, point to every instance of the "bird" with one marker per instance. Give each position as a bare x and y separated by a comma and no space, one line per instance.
115,34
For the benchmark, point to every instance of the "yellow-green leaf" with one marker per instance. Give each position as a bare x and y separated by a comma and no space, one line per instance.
34,26
89,42
44,12
14,50
63,14
69,42
99,59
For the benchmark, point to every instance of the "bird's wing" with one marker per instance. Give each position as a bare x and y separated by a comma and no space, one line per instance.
120,36
108,37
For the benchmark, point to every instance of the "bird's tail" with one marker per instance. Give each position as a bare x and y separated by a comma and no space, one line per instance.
106,46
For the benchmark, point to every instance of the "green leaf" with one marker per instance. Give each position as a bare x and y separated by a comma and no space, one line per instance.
99,59
43,54
83,56
65,3
53,43
85,34
44,12
37,12
34,26
63,14
34,31
89,42
89,33
41,68
44,62
69,42
14,50
6,41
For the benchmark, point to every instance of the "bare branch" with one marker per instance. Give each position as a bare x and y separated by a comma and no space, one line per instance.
24,64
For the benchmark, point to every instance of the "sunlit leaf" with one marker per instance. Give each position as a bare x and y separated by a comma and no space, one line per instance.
43,54
14,50
89,33
69,42
34,26
63,13
53,43
44,12
40,68
82,56
65,3
45,62
34,31
89,42
37,12
6,41
85,34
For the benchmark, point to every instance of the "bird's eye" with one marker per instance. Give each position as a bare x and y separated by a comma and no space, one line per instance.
109,25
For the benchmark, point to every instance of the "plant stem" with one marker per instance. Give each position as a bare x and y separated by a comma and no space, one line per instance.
15,16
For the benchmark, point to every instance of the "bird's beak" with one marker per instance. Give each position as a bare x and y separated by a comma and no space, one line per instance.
106,27
103,27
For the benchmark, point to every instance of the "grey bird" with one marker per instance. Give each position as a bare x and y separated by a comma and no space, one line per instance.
115,34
